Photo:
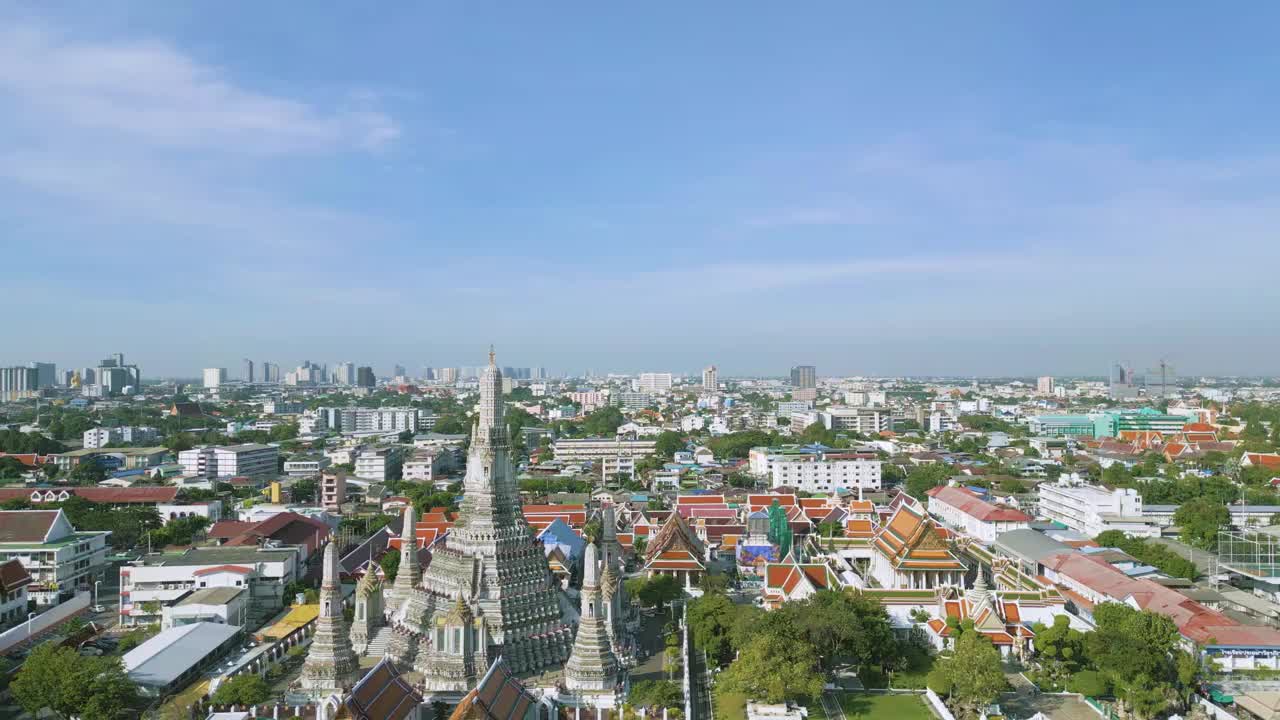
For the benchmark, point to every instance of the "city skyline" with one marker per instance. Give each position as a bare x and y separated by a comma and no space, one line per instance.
979,190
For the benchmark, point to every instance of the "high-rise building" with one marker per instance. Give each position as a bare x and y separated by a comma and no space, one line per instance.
1123,385
113,375
804,376
398,371
364,377
213,377
88,376
538,373
248,370
710,379
654,383
448,375
1044,385
270,372
46,374
17,383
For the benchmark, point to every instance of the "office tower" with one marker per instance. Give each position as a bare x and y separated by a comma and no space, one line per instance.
213,377
114,375
248,370
538,373
654,383
88,376
710,379
1122,386
364,377
804,376
46,374
17,383
428,373
398,371
448,375
67,376
1044,385
270,372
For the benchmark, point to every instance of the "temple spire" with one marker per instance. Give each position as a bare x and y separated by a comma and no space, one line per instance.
407,575
331,664
592,667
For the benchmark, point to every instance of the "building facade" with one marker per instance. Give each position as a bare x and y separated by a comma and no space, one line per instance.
60,559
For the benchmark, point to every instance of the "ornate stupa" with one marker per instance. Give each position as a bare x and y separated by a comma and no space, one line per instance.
489,565
368,615
592,668
331,665
409,573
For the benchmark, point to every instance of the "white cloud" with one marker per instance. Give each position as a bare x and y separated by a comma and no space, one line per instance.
153,93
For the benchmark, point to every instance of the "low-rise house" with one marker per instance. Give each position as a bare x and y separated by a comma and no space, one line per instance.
14,580
227,605
147,585
60,559
963,510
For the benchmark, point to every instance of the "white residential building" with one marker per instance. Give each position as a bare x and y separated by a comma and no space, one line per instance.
711,379
112,437
379,465
59,558
283,407
222,605
1091,509
424,466
962,510
827,472
14,580
306,467
248,460
365,420
654,383
161,579
213,377
571,450
589,400
864,420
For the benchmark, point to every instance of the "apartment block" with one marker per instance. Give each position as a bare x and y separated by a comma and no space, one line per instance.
248,460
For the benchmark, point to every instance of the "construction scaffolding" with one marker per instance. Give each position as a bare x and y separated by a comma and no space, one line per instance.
1255,553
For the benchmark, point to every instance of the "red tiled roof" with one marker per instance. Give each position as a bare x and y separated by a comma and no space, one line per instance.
1269,460
700,500
968,502
226,529
13,576
26,525
108,495
238,569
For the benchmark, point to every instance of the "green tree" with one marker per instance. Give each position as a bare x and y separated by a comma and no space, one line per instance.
843,627
669,443
604,421
659,590
87,472
65,683
243,689
1059,647
926,477
1089,683
390,564
1199,521
773,668
1139,654
973,677
11,468
657,694
711,620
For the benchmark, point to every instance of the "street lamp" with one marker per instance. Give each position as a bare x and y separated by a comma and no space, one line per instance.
29,616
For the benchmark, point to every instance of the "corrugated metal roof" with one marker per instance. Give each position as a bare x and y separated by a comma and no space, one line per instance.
165,657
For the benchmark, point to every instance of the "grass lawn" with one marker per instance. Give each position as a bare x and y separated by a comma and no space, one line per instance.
899,707
732,706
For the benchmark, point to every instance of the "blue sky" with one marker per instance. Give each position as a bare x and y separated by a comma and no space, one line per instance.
983,188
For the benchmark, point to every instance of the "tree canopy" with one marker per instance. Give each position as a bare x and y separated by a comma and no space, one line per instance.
1199,521
68,684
